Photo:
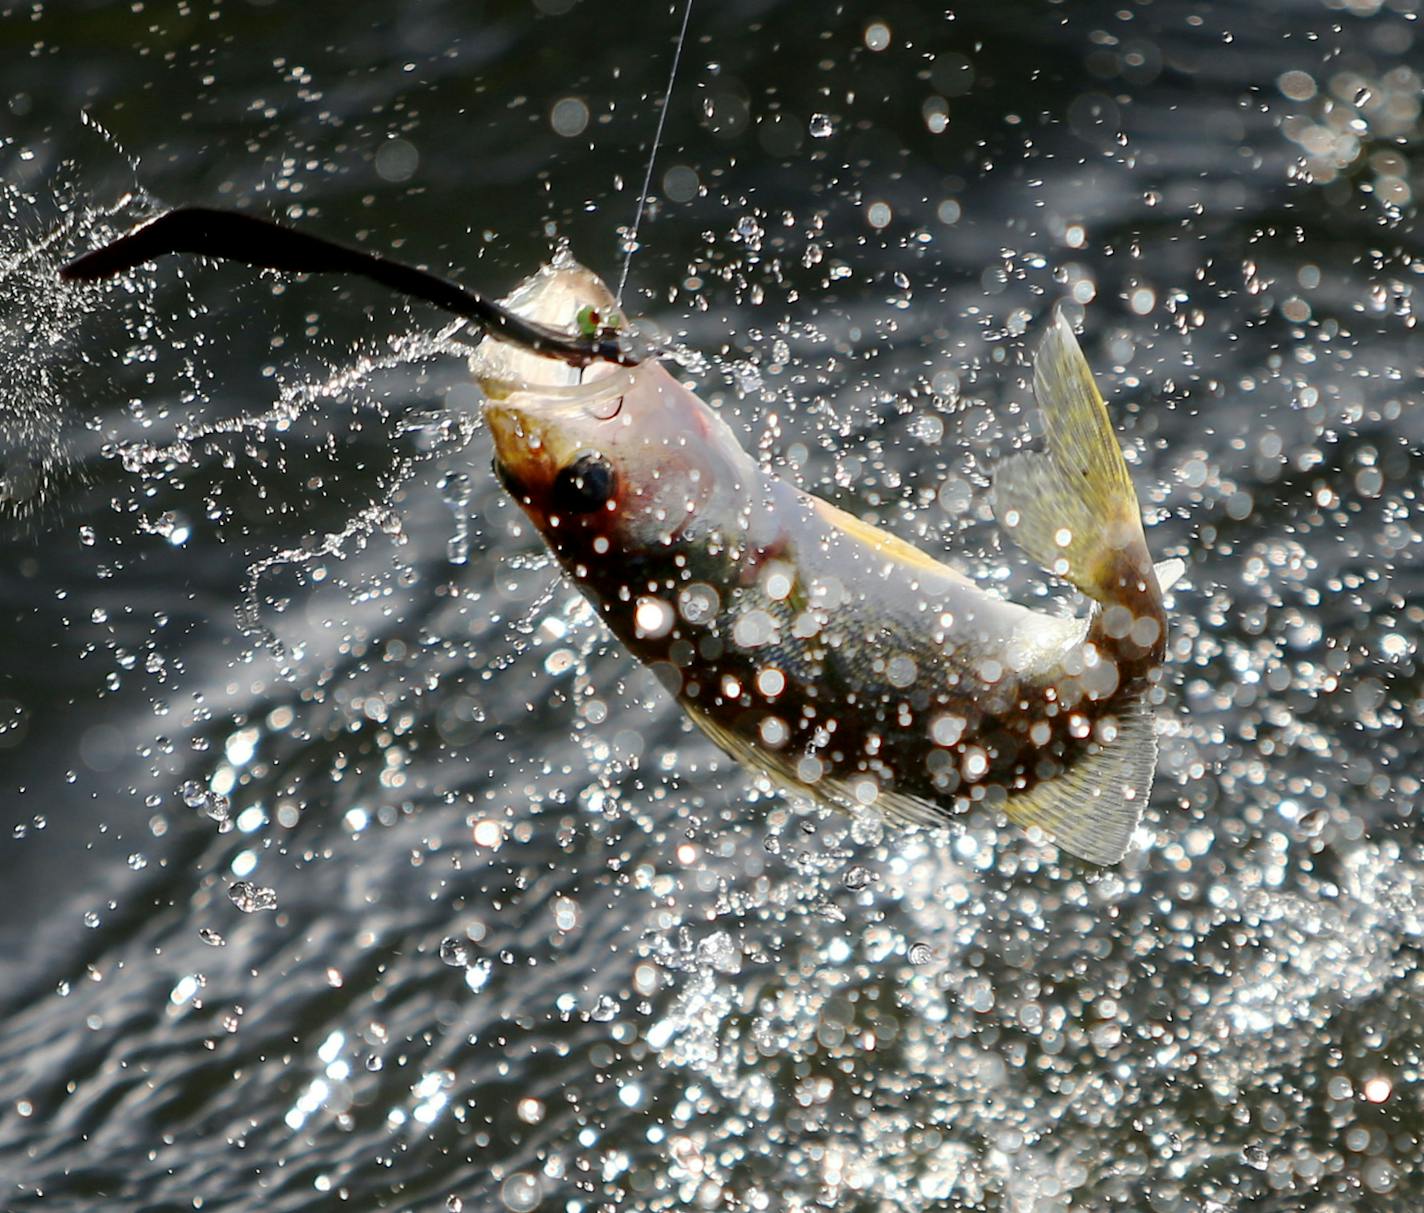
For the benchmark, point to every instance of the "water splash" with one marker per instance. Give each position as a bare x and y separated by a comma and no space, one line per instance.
48,333
455,491
732,1018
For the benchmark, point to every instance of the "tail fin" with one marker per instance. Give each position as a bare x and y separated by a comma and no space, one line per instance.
1073,508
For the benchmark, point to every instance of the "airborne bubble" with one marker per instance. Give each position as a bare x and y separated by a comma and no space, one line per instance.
857,877
522,1192
454,952
251,898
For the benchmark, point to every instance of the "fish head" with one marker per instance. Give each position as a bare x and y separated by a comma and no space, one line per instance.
604,459
563,296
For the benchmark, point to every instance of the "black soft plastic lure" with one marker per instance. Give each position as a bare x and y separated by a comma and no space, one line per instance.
232,236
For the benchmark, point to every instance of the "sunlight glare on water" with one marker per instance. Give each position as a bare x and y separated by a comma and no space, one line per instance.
351,863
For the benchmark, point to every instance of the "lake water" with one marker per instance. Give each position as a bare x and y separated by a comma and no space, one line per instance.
484,925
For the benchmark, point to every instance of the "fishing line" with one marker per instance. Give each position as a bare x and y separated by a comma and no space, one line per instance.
632,241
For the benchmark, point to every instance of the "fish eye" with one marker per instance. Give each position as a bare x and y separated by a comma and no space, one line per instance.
584,486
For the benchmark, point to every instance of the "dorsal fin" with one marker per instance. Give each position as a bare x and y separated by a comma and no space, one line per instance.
891,546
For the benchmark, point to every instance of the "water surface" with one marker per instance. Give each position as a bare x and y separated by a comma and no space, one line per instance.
534,943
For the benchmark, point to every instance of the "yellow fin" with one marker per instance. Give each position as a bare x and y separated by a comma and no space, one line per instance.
769,762
1091,808
892,547
898,807
1073,508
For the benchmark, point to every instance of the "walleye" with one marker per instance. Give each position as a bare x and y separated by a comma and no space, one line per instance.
837,658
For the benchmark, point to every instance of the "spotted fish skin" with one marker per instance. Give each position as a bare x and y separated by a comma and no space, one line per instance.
831,655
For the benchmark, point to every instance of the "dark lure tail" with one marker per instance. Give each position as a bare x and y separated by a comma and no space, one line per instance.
231,236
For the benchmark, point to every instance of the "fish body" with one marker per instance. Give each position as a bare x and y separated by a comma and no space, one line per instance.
834,656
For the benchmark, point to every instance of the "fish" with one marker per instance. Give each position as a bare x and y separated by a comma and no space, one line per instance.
834,657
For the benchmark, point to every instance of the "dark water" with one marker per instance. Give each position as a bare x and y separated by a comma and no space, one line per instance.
535,945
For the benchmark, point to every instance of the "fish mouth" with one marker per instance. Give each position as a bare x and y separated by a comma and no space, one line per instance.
536,432
518,446
527,454
563,296
538,408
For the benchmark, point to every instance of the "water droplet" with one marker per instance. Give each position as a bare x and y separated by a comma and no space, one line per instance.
1255,1156
867,828
211,937
605,1010
822,126
1379,1175
569,117
857,877
454,952
455,491
721,953
214,804
522,1192
1378,1089
921,953
250,898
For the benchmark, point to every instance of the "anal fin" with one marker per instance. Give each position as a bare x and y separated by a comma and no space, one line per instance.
897,807
1169,572
1091,808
